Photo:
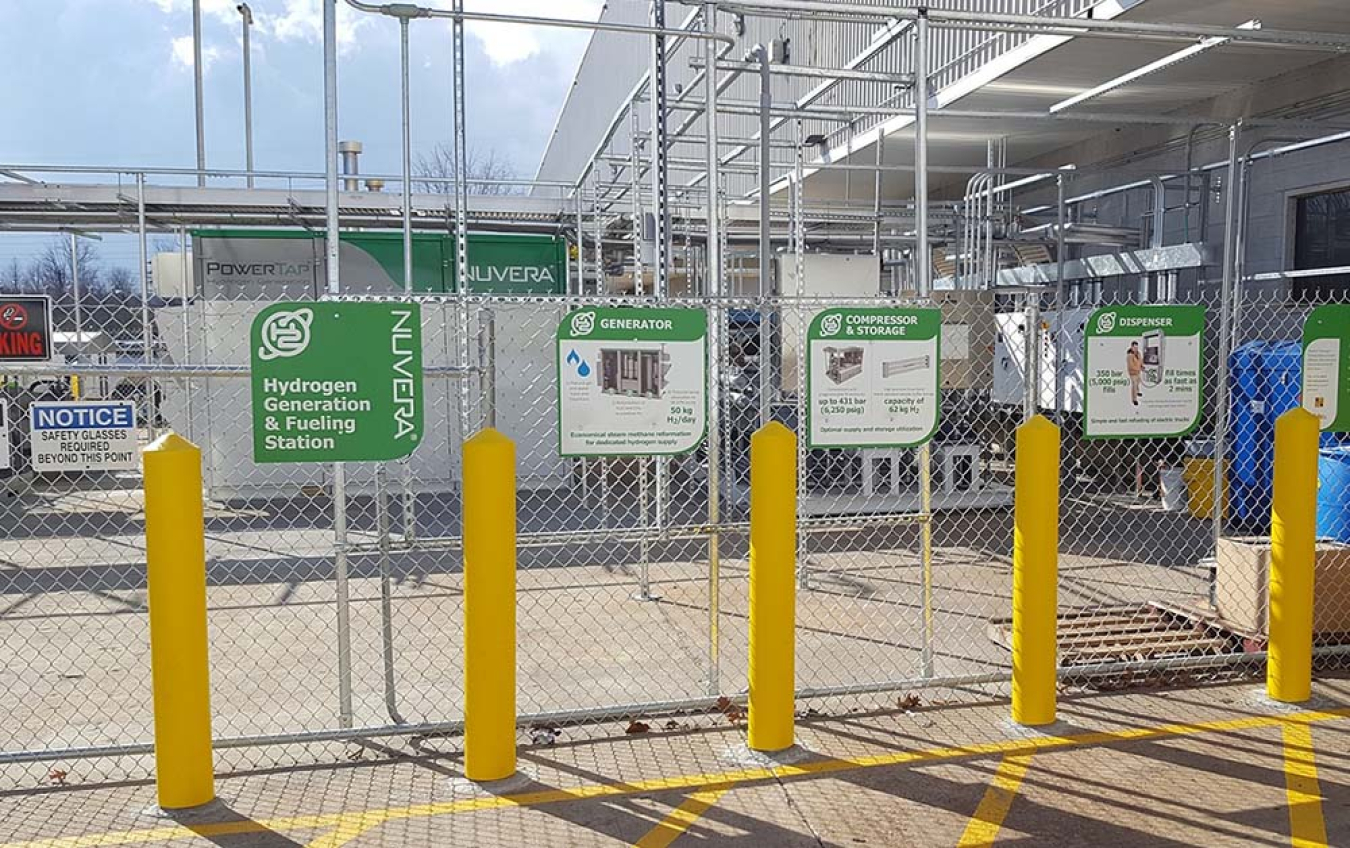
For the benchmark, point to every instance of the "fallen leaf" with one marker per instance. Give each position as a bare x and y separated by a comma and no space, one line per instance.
908,702
638,727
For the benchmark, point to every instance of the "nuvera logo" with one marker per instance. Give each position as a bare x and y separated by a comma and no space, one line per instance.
285,334
583,323
830,324
1106,322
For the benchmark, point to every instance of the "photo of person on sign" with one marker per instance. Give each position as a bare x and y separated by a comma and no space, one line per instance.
1134,369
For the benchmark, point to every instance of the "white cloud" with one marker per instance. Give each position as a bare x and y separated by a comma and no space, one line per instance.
182,53
302,20
285,20
506,44
222,10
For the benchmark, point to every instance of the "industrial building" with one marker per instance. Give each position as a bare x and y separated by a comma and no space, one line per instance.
1016,167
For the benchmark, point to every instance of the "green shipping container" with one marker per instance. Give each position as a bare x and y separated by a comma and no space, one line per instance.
262,264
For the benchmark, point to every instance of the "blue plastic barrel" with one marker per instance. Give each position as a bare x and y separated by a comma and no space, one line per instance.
1333,494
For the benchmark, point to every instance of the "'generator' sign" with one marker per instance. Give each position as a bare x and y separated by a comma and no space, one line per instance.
25,328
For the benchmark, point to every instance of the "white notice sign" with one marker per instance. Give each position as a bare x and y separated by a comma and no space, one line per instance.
84,436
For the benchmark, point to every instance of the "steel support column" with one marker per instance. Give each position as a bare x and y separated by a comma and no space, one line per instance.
923,284
713,288
344,636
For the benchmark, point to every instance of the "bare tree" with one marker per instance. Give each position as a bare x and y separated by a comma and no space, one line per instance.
50,273
119,282
14,280
486,172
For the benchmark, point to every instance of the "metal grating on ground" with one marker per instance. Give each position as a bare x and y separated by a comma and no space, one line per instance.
1129,633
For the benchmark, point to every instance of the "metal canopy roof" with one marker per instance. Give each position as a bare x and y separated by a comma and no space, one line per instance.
60,206
1058,68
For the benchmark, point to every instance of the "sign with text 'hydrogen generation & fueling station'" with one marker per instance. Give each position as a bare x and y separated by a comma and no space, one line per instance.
336,381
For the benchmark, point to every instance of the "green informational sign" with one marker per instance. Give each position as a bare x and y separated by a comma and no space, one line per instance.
872,377
632,382
1142,371
1326,366
336,382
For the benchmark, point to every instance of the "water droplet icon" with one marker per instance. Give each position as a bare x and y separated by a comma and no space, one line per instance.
584,370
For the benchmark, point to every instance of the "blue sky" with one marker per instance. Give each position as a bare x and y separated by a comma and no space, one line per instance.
110,81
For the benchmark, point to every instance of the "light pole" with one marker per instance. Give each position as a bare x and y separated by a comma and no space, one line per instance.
246,14
197,89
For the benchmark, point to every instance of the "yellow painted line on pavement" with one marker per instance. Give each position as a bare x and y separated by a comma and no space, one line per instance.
983,827
1307,828
349,829
694,781
681,818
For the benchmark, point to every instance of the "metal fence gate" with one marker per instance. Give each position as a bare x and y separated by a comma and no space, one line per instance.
633,572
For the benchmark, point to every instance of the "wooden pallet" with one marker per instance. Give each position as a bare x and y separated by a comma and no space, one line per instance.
1129,634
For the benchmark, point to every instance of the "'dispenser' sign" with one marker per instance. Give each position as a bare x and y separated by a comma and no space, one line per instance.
336,382
84,436
25,328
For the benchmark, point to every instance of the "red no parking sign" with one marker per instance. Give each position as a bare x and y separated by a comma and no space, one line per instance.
25,328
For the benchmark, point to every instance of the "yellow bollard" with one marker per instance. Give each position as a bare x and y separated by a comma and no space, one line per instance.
1293,542
773,591
489,606
1035,572
175,554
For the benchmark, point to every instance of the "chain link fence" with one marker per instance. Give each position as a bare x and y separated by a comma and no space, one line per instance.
633,580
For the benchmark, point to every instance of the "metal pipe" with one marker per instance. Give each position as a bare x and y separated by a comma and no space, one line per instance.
330,145
342,601
147,337
48,369
1047,24
713,287
461,164
1061,339
405,96
798,229
760,54
405,464
923,285
849,113
386,595
459,16
661,233
924,281
187,343
246,14
197,89
659,170
75,287
876,190
842,74
1225,320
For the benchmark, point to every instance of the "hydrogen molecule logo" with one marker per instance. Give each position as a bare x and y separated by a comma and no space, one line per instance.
583,323
1106,322
830,324
285,334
